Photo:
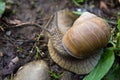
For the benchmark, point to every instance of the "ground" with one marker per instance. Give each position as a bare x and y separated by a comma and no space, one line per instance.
24,44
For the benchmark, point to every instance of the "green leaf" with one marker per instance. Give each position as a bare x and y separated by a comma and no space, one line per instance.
37,52
55,75
77,12
118,40
118,43
103,66
2,8
81,1
118,26
76,3
113,73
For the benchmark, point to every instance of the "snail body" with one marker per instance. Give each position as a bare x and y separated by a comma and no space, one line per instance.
78,48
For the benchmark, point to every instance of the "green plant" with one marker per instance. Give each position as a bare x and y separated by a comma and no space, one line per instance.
19,49
2,8
11,76
77,2
77,12
55,76
113,74
33,4
37,52
103,66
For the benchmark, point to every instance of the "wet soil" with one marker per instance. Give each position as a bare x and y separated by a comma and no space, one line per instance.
24,44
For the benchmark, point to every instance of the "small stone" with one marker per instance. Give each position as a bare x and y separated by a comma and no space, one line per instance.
1,54
36,70
20,42
8,33
43,55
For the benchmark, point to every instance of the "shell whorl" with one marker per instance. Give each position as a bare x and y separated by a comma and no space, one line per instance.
88,34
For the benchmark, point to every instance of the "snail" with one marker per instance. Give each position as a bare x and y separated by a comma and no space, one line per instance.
76,43
78,47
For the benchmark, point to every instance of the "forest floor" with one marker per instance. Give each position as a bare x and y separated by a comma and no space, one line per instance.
30,43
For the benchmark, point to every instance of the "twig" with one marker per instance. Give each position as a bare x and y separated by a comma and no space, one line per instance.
1,28
47,24
31,24
112,22
44,28
36,25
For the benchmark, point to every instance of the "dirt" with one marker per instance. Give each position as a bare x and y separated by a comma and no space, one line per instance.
22,42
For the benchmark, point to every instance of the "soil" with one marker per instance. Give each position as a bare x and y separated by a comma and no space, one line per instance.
20,45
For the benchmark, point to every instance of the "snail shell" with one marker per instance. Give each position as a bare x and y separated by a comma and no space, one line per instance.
78,48
86,36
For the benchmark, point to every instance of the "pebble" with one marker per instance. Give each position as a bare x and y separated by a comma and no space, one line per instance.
36,70
8,33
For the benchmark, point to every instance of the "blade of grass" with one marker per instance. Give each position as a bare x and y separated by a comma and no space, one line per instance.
118,26
118,40
76,3
77,12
